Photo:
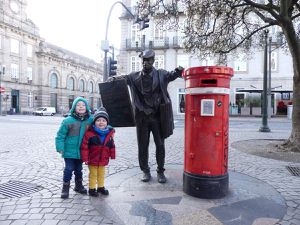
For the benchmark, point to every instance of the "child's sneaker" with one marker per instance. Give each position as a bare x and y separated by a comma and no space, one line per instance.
103,191
93,192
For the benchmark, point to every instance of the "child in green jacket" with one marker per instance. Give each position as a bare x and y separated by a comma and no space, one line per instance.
68,141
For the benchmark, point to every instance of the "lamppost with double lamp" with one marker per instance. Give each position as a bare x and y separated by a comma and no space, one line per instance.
265,127
105,43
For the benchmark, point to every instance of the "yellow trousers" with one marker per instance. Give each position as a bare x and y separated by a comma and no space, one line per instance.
96,176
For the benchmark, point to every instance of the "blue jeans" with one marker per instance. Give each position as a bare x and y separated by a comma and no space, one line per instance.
70,166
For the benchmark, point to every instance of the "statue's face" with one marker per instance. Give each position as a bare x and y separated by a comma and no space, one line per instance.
148,64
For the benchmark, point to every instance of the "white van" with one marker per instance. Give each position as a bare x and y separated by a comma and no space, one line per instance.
44,111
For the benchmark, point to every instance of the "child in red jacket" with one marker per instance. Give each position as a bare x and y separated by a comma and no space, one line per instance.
96,149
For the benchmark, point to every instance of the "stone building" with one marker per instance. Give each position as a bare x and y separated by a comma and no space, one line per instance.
36,73
246,85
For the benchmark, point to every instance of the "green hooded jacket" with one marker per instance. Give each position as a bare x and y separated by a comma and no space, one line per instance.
71,131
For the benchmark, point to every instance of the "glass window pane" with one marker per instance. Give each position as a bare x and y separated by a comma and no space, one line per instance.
29,50
91,87
71,84
53,82
81,85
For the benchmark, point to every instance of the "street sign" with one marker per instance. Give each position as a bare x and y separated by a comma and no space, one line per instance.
2,89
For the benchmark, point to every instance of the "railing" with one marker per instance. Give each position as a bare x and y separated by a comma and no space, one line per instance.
161,43
178,42
132,44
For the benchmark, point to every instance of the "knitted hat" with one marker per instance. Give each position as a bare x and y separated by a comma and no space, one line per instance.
101,112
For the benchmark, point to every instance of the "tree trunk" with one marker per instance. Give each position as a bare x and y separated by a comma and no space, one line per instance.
293,142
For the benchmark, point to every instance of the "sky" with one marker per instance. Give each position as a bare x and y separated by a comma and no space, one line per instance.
77,25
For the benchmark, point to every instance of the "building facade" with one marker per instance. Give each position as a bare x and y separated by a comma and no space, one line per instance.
35,73
246,85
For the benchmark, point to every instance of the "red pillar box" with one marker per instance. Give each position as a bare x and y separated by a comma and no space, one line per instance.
206,131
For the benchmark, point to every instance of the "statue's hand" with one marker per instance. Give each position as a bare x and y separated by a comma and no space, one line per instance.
110,79
179,70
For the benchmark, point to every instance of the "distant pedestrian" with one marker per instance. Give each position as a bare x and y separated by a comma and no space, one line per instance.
96,149
68,141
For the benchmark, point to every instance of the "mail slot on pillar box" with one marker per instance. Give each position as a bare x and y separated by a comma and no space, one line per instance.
206,131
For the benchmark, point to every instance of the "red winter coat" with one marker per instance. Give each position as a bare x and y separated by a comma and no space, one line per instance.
95,153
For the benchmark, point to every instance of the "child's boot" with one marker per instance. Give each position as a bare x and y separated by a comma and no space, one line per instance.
103,191
65,190
79,186
93,192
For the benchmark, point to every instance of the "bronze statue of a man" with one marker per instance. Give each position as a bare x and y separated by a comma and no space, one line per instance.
149,92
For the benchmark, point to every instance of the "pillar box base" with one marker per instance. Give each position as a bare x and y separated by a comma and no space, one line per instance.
205,187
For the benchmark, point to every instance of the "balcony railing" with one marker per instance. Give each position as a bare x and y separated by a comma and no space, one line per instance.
178,42
132,44
160,43
153,44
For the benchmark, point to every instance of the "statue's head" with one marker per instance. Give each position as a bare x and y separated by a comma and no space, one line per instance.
148,60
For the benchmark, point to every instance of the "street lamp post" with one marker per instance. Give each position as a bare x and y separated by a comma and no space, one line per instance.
269,80
0,91
105,43
265,127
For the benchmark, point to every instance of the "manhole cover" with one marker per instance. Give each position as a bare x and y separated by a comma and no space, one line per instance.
295,171
16,189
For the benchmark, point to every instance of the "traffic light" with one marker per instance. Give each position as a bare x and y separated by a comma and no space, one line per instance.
112,67
144,23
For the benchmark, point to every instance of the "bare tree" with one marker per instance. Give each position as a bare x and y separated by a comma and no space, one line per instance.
219,27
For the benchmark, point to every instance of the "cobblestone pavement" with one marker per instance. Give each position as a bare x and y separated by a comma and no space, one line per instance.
28,158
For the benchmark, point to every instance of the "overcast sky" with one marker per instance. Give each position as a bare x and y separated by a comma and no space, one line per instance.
76,25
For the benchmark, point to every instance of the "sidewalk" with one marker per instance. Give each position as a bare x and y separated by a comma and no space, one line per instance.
261,191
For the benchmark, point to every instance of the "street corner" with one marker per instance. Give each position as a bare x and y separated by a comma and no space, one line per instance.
249,201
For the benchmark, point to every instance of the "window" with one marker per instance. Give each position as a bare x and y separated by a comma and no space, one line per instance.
29,73
14,46
29,51
81,85
135,32
159,62
274,61
97,88
14,70
91,103
159,34
181,100
240,63
183,60
136,63
30,100
53,80
91,87
71,83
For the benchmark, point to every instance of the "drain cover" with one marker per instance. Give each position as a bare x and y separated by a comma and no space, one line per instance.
16,189
295,171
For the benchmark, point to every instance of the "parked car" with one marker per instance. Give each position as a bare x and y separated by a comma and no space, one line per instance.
44,111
